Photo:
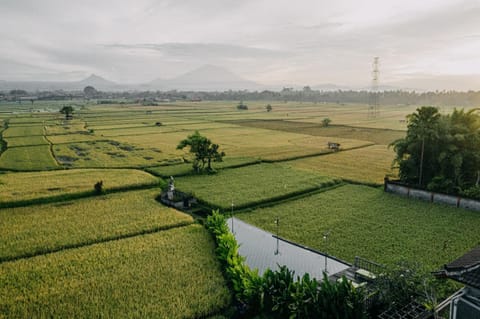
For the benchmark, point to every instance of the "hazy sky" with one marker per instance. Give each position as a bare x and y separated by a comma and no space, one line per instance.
270,41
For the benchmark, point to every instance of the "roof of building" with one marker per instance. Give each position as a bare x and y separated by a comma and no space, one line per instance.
465,269
468,260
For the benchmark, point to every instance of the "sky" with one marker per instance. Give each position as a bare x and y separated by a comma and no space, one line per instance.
273,42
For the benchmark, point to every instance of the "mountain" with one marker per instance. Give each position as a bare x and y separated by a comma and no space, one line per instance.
205,78
96,81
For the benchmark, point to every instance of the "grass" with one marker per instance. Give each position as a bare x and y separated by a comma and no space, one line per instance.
365,165
170,274
26,186
28,158
33,230
186,168
367,222
251,185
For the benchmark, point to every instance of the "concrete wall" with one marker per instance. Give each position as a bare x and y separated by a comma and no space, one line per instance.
452,200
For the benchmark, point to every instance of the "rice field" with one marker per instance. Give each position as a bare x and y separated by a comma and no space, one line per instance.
34,185
28,158
98,154
365,165
125,255
374,135
22,130
33,230
169,274
186,168
365,221
249,185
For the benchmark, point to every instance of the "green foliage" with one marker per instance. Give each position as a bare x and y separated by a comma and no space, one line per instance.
472,192
89,91
268,108
404,282
205,151
277,294
242,106
400,284
67,110
326,122
440,151
98,188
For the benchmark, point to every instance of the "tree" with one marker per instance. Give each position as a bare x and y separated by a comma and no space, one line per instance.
205,151
326,122
422,129
242,106
89,91
268,107
68,111
441,152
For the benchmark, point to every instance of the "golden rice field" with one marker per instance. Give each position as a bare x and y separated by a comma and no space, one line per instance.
33,230
169,274
126,136
34,185
368,164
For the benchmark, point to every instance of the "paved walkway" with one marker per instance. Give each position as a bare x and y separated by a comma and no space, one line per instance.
259,247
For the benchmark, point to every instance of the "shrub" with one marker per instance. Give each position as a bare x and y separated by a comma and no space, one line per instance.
242,106
98,188
277,294
472,192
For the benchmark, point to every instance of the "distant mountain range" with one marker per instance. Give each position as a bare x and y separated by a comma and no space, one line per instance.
205,78
215,78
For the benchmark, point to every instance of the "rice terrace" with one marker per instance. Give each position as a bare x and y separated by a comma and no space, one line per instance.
83,234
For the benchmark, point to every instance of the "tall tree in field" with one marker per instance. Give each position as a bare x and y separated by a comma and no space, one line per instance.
417,153
68,111
204,150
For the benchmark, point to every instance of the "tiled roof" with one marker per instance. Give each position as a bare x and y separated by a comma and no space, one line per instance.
469,278
465,269
468,260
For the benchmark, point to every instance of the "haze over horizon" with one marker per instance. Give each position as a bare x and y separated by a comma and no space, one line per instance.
430,44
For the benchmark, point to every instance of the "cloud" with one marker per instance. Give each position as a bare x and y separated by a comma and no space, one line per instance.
310,41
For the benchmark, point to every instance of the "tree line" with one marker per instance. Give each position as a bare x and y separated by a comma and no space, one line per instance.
395,97
441,152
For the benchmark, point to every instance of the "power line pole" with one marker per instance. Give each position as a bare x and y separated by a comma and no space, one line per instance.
373,109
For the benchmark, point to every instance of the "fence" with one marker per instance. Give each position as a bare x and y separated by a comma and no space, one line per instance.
452,200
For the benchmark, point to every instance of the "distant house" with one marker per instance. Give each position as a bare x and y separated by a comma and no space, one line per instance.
466,270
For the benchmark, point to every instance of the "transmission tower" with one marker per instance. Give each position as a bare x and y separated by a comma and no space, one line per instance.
373,109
